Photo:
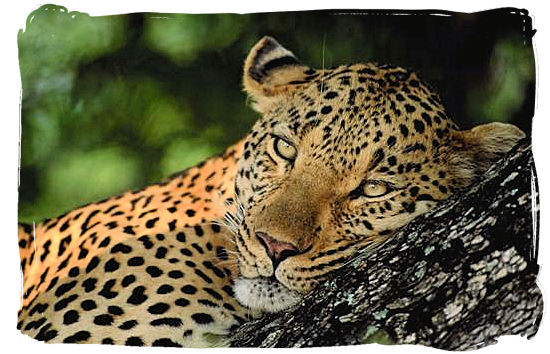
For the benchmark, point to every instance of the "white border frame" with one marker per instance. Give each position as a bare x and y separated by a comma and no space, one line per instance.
15,16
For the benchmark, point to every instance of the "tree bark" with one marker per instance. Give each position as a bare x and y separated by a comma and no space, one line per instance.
455,278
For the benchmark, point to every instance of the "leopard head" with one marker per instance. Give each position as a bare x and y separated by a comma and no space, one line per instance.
339,160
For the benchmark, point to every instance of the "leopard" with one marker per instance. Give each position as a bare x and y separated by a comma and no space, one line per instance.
339,160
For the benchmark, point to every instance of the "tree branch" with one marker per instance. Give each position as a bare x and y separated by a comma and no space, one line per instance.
455,278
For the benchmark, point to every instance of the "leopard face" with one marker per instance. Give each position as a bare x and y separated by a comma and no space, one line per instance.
339,160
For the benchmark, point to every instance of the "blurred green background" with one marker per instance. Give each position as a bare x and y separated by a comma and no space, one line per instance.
116,102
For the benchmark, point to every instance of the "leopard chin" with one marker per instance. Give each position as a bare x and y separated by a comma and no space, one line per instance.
264,294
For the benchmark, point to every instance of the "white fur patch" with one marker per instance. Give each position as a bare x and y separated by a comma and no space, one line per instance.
263,294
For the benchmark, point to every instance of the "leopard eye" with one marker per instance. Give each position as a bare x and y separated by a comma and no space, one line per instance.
374,189
284,149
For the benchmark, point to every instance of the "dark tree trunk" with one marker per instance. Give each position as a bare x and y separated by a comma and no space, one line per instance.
456,278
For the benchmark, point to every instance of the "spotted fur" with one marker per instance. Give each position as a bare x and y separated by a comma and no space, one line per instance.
340,159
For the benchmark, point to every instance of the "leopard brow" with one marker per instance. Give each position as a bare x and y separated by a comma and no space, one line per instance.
376,158
283,133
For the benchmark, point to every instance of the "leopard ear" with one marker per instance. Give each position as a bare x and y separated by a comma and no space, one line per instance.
472,152
270,70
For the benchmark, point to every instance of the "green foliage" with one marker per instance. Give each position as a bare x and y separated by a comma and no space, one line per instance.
117,102
134,107
512,70
184,152
182,37
55,40
86,176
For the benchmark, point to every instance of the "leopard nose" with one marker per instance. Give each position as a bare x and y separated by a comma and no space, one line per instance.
277,250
